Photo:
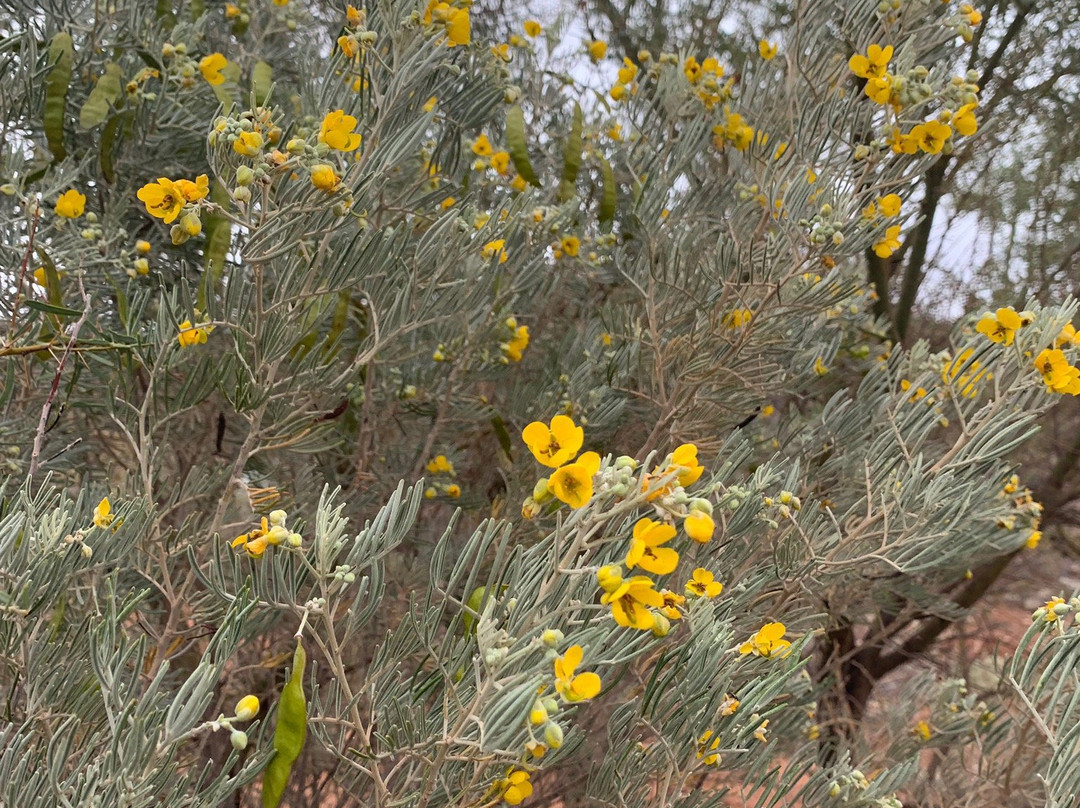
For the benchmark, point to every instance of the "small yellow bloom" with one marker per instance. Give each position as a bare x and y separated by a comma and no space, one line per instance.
645,550
707,751
254,542
966,381
103,516
1033,539
873,64
163,199
500,161
684,460
930,136
515,787
193,191
581,687
738,318
703,585
889,244
1068,337
324,177
70,205
440,465
497,247
573,483
629,600
597,50
820,368
247,708
673,603
922,730
532,28
211,67
555,445
515,348
190,335
1058,375
337,131
482,146
518,183
964,121
453,490
248,144
458,27
570,245
879,89
766,50
1001,326
232,11
1051,610
890,205
767,642
699,526
761,732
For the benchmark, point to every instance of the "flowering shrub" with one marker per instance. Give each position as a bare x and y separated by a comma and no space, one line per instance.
489,433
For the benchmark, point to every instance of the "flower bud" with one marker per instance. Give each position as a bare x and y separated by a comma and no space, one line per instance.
142,247
277,517
295,539
553,735
551,637
247,708
191,224
245,175
702,505
142,266
238,739
277,534
661,625
538,714
625,462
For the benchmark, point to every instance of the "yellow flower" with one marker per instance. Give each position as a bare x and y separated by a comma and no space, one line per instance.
254,542
193,191
440,465
453,490
645,550
573,688
248,144
966,381
458,27
699,526
70,205
889,244
482,146
555,445
1001,326
515,787
570,245
820,368
973,17
672,604
1033,540
922,730
738,318
337,131
1058,375
1051,612
767,50
232,11
573,483
496,247
517,344
518,183
190,335
163,199
353,17
702,584
707,751
1067,337
760,732
879,89
324,177
684,460
767,642
874,64
964,121
247,708
532,28
211,67
349,46
630,599
103,516
500,161
597,50
930,136
890,205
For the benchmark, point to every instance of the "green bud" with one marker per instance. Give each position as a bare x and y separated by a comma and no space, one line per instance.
553,735
238,739
245,175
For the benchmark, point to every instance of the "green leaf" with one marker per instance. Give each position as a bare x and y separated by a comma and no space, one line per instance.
225,90
218,232
517,145
290,732
608,196
165,14
476,603
571,158
503,437
61,57
105,93
108,141
49,308
261,77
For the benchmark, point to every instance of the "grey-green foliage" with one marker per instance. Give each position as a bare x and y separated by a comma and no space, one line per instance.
854,505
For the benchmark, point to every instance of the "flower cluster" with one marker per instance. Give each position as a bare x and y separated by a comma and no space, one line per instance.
518,341
270,532
556,446
443,482
167,199
452,20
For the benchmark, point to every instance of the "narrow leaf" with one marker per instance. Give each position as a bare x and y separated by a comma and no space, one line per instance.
608,196
261,77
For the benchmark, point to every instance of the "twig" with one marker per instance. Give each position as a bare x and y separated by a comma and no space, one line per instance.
46,408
